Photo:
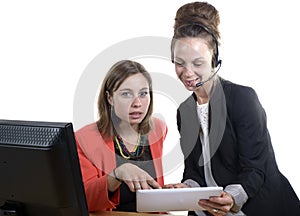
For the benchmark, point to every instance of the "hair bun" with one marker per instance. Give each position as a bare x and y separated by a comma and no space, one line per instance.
198,12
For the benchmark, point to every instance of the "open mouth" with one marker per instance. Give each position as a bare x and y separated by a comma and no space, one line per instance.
135,115
191,83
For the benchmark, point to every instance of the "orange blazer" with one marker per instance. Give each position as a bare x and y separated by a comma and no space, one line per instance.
97,159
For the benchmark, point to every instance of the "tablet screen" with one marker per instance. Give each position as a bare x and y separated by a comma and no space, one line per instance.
175,199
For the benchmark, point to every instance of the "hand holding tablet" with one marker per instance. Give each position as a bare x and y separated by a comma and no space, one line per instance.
174,199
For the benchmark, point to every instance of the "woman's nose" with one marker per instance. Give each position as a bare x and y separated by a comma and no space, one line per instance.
136,102
187,70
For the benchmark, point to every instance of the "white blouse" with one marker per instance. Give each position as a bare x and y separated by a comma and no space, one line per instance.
203,116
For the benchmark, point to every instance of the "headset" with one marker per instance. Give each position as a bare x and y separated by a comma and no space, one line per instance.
216,60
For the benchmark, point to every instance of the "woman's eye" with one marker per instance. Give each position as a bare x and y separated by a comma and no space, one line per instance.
126,94
179,64
197,65
143,94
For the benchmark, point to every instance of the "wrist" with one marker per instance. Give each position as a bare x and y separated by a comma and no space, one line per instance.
239,196
115,176
233,208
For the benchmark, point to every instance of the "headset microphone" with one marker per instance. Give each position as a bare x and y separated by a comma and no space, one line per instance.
219,63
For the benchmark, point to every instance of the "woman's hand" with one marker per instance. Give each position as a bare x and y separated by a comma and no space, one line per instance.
177,185
135,177
218,205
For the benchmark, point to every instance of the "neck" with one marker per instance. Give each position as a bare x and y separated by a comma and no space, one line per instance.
203,93
129,135
202,100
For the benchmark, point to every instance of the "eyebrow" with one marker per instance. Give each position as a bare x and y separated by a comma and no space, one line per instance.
196,59
128,89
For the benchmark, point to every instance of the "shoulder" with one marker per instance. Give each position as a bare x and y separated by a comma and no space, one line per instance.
238,93
189,102
88,127
159,129
89,130
242,100
89,138
159,124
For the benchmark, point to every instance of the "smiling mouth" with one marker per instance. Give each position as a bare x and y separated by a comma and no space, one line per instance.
191,83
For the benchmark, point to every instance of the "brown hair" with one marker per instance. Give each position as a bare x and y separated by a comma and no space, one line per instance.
112,81
197,19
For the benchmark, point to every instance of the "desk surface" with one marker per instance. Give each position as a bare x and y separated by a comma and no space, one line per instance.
115,213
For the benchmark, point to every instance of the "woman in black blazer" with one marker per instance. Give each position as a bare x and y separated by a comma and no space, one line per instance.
223,128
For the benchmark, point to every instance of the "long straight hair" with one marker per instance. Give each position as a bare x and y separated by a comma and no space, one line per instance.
112,81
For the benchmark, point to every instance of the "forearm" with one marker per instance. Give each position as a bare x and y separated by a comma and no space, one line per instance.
97,194
96,186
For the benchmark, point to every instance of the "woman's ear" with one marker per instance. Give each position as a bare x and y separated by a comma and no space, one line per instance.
109,98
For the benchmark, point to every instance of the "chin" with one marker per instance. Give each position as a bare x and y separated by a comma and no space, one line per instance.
190,88
135,121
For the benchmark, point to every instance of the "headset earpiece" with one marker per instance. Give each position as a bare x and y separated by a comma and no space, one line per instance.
216,61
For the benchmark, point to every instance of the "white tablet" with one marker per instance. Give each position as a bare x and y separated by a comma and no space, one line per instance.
175,199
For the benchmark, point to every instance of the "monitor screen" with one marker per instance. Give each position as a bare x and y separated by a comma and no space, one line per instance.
40,172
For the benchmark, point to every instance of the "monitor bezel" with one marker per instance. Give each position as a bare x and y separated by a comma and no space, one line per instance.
57,168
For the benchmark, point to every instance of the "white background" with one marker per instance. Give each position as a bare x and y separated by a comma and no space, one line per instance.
46,45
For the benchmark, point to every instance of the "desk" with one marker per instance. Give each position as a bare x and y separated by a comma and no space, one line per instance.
115,213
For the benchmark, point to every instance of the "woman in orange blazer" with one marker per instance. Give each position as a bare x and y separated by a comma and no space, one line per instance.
122,151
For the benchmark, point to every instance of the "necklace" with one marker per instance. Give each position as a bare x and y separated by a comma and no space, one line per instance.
137,151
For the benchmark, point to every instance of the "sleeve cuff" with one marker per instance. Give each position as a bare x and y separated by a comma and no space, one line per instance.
191,183
238,194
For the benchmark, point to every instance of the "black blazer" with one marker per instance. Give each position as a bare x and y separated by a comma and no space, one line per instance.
241,148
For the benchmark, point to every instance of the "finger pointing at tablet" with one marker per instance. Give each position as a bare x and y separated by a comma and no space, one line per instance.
135,177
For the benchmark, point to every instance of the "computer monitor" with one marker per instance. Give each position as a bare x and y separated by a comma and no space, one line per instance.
39,170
